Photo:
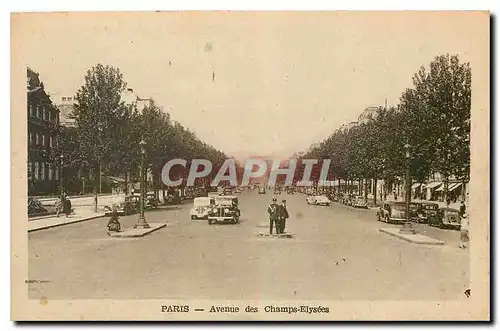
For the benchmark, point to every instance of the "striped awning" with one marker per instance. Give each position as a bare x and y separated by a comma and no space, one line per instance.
433,185
451,187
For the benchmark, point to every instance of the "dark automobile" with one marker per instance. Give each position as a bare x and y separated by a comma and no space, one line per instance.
290,190
446,217
415,208
127,207
173,199
224,209
392,212
150,201
35,206
427,211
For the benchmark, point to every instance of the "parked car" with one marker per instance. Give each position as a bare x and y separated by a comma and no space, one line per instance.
173,198
445,217
150,201
415,208
392,212
224,209
201,206
427,210
290,190
262,190
347,200
359,202
318,200
129,206
35,206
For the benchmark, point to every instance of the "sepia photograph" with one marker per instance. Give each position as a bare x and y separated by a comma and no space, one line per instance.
228,165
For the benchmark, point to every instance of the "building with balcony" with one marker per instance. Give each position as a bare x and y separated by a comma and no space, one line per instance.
43,124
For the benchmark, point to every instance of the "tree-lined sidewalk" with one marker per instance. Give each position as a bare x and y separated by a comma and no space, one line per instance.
433,119
107,132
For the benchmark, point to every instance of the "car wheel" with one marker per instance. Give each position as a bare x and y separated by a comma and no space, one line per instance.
193,217
387,219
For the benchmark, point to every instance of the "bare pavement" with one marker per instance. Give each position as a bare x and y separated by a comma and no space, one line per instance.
337,253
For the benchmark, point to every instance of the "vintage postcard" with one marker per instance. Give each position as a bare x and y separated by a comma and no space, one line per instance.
250,166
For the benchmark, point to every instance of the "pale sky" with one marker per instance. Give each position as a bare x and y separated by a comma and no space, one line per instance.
282,80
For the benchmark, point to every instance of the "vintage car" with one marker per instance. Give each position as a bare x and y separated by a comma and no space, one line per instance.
150,201
427,210
359,202
415,208
224,209
127,207
392,212
290,190
318,200
446,217
201,206
35,206
262,190
347,200
172,198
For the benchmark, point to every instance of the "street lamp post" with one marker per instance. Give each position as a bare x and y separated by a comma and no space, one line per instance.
407,226
141,222
61,188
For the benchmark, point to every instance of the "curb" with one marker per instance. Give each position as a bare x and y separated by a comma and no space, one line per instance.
155,227
66,223
424,240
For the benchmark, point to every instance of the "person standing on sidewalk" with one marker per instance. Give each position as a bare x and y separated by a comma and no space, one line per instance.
272,210
59,205
464,226
283,216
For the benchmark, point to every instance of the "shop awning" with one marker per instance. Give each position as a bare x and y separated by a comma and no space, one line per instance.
415,186
434,185
451,187
454,186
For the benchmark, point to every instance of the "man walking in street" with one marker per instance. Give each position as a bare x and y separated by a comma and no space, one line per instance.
272,210
283,216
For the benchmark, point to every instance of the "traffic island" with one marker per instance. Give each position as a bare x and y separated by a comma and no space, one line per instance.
137,232
414,238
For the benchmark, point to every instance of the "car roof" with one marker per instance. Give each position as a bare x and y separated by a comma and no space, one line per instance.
449,209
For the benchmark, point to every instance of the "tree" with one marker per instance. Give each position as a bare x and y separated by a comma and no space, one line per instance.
98,112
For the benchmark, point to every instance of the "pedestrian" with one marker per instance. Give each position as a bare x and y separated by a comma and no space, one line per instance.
395,195
272,210
114,224
67,206
59,205
283,216
462,210
464,231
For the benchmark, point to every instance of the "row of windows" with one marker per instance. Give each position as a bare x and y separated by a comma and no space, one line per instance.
42,171
68,99
42,113
39,139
